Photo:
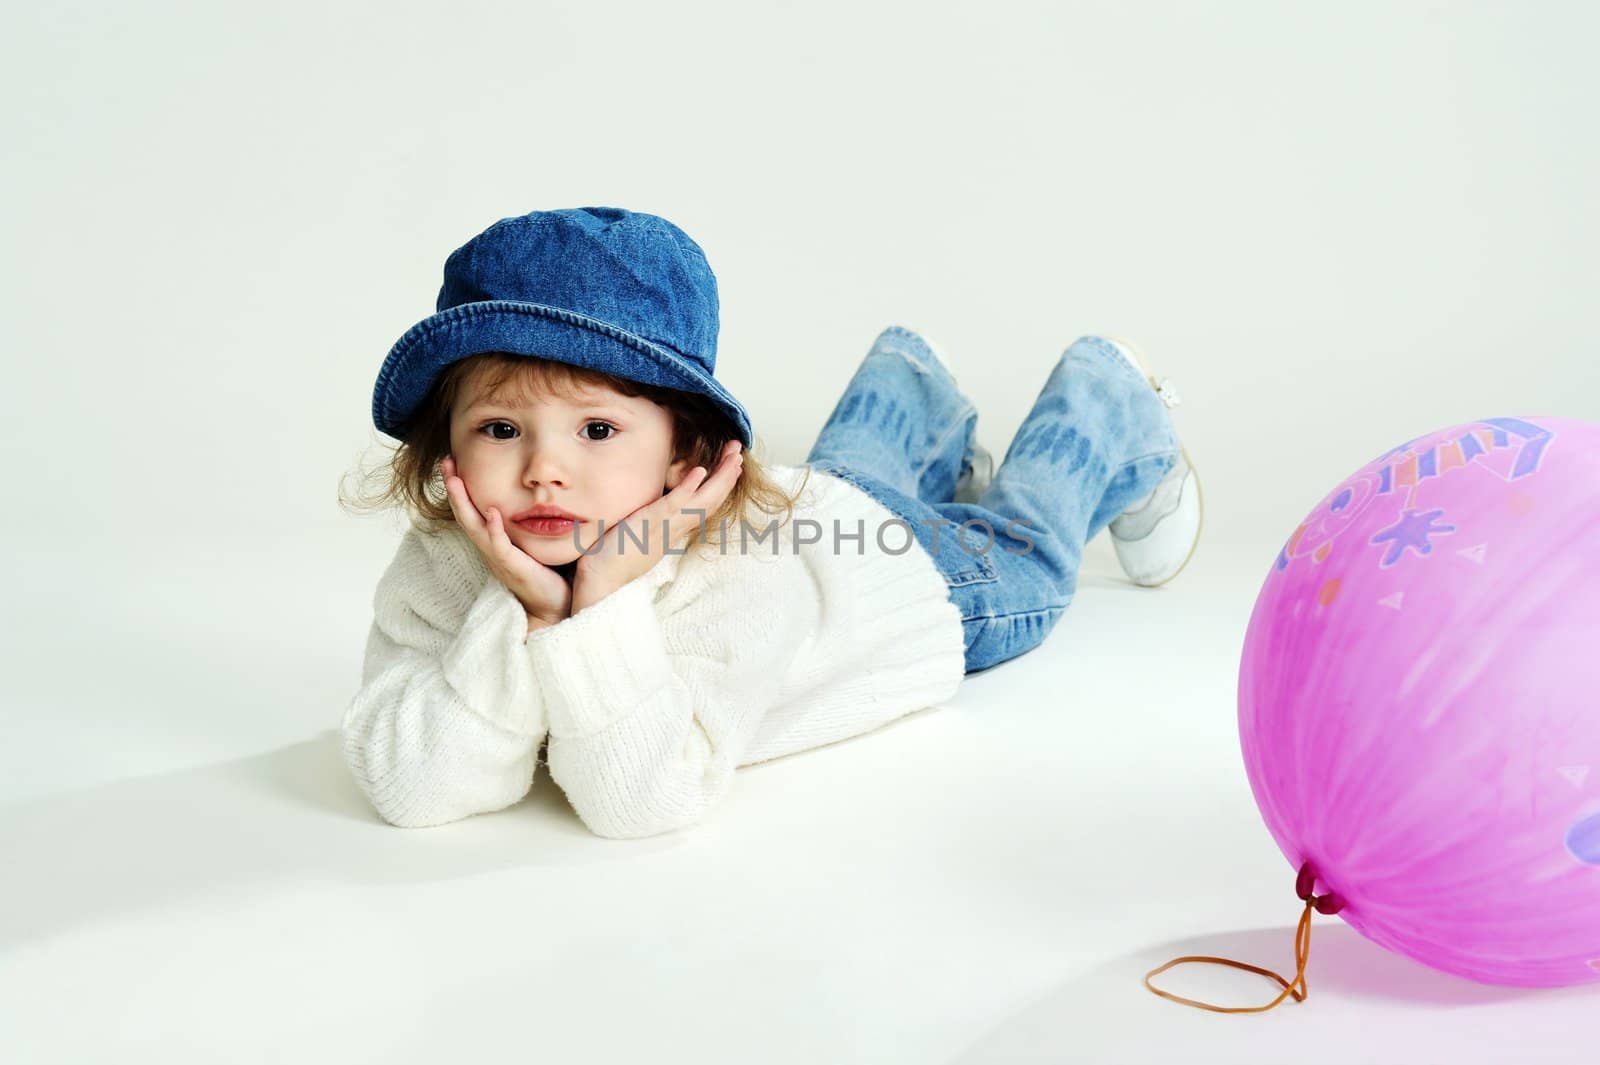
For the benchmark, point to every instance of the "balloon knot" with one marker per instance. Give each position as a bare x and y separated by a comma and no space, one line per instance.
1305,881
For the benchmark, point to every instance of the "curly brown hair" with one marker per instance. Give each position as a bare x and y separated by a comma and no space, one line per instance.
410,478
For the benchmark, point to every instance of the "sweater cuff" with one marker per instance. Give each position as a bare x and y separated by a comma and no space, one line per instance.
604,662
488,666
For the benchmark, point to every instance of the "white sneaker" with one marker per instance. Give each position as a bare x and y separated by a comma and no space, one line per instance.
976,475
978,469
1157,536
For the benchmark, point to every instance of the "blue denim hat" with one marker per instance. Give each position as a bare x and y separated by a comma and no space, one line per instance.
619,291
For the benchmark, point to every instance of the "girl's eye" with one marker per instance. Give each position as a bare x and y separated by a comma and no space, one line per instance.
489,427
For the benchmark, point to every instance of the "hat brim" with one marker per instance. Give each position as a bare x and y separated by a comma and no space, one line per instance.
521,328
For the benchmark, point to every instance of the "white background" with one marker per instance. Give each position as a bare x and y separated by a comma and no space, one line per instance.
1334,227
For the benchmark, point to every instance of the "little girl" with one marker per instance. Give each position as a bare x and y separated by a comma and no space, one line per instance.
595,562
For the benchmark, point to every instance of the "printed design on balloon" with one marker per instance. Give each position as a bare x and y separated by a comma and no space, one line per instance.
1509,448
1583,840
1413,531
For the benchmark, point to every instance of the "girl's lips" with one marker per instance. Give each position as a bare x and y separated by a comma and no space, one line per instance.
547,526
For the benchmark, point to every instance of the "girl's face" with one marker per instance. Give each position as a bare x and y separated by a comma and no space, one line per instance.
602,456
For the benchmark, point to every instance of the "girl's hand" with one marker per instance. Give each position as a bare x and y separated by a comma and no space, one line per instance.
544,593
607,567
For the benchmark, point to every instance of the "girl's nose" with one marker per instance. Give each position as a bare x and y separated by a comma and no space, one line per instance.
544,467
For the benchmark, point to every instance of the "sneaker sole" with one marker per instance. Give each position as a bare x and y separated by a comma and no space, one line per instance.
1186,513
1182,513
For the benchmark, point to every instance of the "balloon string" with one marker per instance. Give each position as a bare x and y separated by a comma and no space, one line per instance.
1328,903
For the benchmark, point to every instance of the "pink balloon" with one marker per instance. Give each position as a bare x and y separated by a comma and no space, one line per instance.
1419,700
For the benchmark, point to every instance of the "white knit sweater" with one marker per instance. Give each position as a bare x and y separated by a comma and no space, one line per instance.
652,696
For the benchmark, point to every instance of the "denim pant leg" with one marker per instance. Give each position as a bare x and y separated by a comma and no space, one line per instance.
902,420
1096,440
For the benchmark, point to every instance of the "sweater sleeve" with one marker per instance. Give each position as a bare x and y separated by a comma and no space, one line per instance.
449,717
645,738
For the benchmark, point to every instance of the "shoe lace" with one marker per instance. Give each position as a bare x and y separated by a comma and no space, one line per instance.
1168,393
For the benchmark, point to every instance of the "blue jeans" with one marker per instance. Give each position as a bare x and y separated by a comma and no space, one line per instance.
1097,440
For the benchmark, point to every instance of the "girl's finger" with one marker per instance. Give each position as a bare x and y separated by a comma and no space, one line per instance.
683,490
494,529
687,491
730,460
466,511
710,491
454,494
729,468
500,545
